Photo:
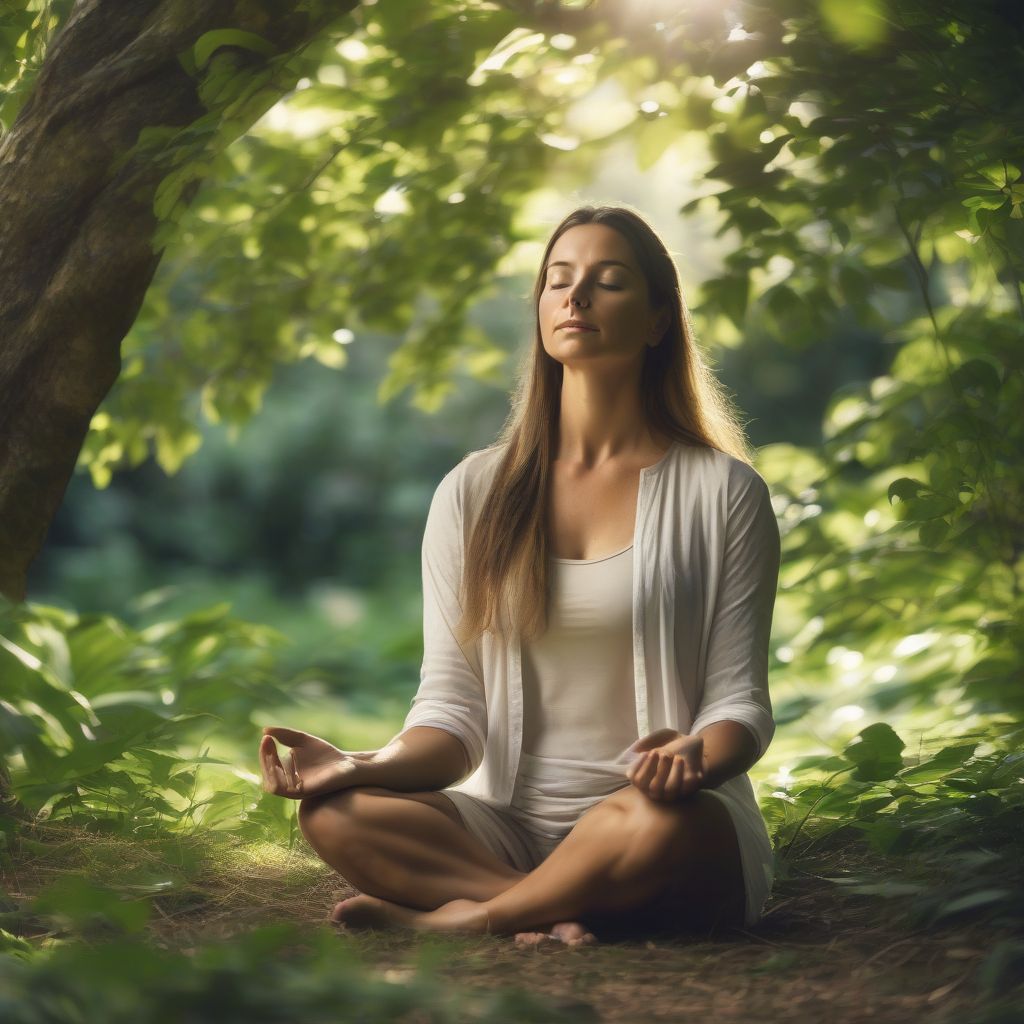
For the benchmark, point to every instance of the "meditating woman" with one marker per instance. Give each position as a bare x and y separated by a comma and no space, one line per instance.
598,589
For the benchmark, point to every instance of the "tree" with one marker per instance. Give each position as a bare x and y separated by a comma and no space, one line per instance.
863,157
128,108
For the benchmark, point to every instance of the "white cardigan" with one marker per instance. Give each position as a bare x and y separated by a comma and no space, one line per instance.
705,571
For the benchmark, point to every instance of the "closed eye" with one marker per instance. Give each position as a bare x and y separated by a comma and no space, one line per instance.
607,287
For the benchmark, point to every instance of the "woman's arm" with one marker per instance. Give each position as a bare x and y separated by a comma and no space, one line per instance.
450,696
735,684
420,758
733,725
729,750
443,736
673,765
417,759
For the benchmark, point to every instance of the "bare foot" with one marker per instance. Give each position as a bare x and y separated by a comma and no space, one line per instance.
568,933
370,912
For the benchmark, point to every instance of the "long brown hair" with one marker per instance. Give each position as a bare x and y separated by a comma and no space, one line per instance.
505,575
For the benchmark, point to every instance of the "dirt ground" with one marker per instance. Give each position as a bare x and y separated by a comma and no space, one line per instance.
820,953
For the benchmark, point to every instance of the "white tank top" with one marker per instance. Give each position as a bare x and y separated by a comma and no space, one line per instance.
578,699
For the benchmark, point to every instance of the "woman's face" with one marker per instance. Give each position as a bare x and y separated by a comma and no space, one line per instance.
592,276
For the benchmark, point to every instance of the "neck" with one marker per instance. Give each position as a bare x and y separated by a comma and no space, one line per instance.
601,419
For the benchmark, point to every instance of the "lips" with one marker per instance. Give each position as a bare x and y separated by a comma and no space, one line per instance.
581,325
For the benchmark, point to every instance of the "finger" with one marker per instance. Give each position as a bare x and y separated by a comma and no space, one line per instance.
266,764
279,784
634,768
692,781
291,770
673,784
655,739
657,784
290,737
283,787
646,770
655,764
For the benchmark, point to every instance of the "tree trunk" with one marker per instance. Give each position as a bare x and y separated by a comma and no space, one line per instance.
77,225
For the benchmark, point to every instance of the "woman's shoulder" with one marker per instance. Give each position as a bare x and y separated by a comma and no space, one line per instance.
720,467
477,464
470,478
710,475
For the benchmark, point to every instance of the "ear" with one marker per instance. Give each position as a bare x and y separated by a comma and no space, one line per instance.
661,325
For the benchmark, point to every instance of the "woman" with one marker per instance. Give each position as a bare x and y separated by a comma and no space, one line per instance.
598,680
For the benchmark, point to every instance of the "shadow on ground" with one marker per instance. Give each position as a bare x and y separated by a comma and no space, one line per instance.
820,953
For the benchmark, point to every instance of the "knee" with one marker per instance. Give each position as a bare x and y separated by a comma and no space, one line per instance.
644,814
645,830
323,819
661,833
317,814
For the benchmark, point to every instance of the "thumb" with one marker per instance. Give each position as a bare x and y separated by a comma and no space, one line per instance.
289,737
655,739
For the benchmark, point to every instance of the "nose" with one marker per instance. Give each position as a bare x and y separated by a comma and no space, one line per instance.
578,296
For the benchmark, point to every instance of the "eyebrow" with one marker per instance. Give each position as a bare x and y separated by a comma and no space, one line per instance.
600,263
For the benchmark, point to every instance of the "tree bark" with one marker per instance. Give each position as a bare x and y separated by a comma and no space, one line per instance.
77,226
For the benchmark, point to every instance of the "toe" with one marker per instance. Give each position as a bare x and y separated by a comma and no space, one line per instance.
343,909
572,933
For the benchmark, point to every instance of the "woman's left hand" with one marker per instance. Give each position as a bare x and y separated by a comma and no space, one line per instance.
670,766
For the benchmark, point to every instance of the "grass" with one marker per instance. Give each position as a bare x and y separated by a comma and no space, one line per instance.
821,952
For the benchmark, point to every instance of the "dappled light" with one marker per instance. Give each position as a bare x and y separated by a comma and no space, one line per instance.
344,221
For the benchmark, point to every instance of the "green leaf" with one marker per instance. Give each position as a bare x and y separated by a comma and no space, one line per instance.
940,765
16,728
823,762
985,202
12,945
932,534
793,710
81,901
904,489
979,374
876,752
973,901
882,835
653,138
887,888
209,42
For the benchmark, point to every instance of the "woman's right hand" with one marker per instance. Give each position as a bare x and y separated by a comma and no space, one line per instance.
311,767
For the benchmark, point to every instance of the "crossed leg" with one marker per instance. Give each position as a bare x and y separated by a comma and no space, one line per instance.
409,848
629,864
412,849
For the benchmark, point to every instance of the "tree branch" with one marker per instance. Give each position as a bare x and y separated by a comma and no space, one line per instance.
77,224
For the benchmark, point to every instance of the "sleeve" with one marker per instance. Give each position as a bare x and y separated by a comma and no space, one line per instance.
451,690
736,667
